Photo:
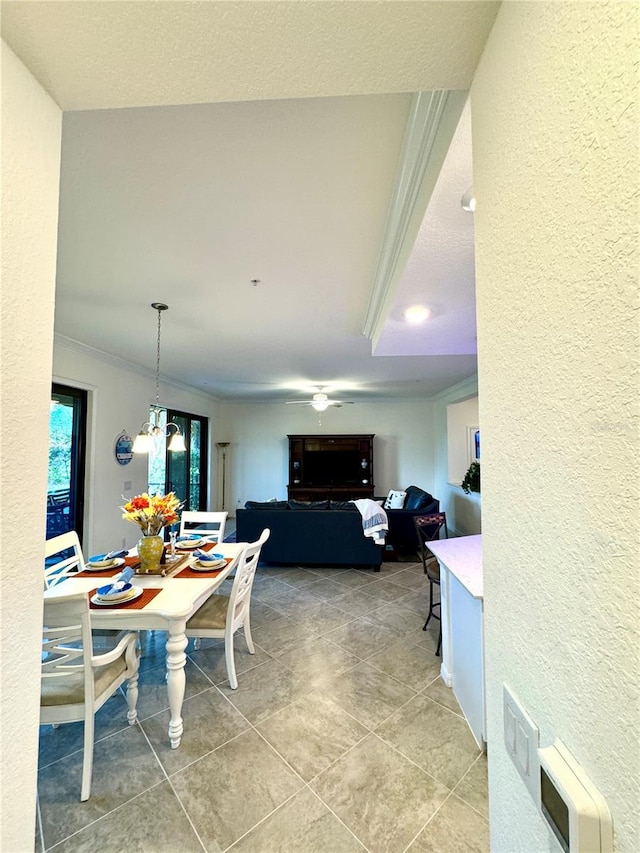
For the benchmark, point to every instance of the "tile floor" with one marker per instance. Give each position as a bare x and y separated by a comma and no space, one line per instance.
340,737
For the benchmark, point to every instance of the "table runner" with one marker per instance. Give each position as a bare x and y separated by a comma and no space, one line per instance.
137,604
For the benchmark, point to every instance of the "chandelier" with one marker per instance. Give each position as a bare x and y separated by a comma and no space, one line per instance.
151,431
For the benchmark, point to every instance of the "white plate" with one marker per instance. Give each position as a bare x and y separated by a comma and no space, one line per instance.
135,593
117,562
188,544
208,566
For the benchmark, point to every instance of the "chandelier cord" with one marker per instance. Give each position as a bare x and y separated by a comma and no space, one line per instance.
158,361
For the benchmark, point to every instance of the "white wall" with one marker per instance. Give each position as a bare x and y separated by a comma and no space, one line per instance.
257,462
463,511
119,398
555,142
31,131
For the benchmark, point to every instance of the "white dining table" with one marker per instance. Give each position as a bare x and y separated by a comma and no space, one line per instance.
169,611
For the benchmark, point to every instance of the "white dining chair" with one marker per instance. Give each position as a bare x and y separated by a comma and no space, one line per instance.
207,523
62,556
222,615
75,683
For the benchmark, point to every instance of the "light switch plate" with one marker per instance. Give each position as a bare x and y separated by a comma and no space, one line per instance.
521,738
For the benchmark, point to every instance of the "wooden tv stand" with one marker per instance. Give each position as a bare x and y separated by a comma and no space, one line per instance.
336,467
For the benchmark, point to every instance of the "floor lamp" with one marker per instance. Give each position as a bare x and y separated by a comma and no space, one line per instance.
223,447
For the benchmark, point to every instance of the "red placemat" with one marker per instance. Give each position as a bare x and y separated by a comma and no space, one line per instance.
206,547
106,573
189,573
137,604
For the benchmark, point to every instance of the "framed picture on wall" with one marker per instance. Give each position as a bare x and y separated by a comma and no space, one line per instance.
473,443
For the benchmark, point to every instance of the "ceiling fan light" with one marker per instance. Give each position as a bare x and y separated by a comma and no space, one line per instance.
320,405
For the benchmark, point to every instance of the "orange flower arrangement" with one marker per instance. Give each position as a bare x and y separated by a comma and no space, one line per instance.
152,512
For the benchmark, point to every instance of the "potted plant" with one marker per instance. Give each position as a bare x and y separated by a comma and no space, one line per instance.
471,480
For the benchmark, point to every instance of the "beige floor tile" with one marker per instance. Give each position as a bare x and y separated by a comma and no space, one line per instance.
228,791
153,821
356,602
454,829
362,637
123,766
473,787
264,690
212,720
302,825
318,658
282,635
412,665
439,692
403,620
435,738
380,796
312,733
368,694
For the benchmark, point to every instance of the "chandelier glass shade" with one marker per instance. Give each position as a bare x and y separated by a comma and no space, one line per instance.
153,430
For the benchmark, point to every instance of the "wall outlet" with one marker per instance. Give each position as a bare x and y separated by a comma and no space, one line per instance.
521,738
127,485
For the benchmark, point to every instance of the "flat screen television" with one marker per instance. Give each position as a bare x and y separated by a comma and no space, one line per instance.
332,467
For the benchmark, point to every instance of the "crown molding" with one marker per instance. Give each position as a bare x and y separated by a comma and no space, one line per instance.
122,364
433,118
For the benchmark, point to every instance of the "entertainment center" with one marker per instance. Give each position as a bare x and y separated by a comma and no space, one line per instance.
336,467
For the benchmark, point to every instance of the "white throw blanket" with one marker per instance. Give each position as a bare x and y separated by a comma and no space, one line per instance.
375,523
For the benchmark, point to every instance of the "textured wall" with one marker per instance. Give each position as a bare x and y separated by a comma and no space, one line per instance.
555,173
31,127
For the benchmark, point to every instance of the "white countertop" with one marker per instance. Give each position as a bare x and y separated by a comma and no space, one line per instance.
462,556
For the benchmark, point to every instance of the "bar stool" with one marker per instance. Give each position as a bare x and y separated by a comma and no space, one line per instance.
428,529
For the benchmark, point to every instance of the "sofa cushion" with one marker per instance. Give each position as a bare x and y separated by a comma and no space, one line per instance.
308,504
342,505
395,499
266,505
417,498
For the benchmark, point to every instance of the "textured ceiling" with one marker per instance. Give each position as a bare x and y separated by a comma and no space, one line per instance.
186,203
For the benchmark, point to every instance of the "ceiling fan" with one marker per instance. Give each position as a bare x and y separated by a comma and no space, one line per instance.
320,401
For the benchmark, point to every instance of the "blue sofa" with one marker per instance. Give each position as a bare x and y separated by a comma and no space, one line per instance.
309,533
402,533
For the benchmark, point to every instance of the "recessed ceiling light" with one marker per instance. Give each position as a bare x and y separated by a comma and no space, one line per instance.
468,201
416,314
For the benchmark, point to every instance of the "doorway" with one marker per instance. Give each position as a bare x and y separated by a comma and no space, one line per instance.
67,452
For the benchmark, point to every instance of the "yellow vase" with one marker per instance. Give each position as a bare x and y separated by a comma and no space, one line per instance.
150,553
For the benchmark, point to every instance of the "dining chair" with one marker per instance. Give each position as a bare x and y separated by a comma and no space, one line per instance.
428,529
222,615
75,683
207,523
62,557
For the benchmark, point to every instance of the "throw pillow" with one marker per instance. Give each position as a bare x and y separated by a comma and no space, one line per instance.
395,499
417,498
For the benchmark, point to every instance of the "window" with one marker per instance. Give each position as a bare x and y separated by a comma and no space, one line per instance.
182,473
67,442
